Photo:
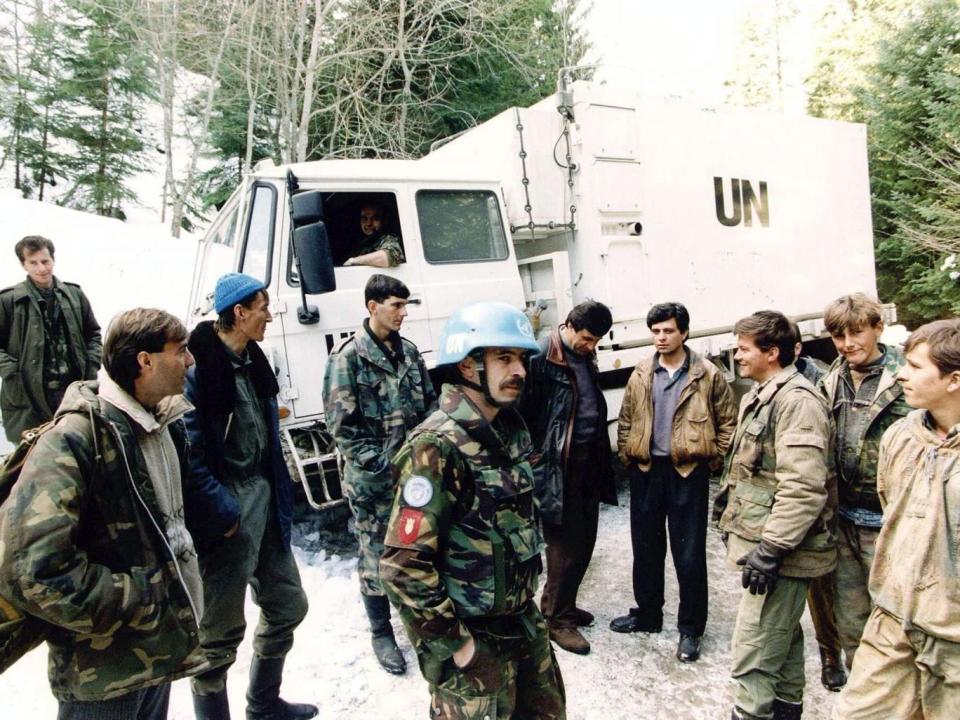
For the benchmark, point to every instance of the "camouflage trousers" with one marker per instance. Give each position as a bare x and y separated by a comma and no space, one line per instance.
907,675
371,512
513,675
767,648
855,550
254,556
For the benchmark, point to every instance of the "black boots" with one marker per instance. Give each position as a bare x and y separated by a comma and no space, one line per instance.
384,643
831,672
786,711
212,707
263,693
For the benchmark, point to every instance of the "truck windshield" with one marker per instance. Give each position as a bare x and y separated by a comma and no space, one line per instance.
460,226
258,245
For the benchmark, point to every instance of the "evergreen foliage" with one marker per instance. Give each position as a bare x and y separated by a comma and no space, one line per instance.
911,103
105,86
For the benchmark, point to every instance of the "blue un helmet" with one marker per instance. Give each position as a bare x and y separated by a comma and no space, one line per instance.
484,325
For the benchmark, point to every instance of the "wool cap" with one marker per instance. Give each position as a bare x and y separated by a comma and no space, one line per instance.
232,288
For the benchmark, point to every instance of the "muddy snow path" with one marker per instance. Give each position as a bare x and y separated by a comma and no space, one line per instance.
625,677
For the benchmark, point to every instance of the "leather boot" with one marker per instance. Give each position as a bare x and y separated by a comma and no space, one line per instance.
384,642
832,674
786,711
263,693
212,707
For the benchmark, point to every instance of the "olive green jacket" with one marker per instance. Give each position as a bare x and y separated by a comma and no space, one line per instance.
778,482
22,398
887,407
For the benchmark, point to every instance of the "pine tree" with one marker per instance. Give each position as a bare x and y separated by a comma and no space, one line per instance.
911,102
106,86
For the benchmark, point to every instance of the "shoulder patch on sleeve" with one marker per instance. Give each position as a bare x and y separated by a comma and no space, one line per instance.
417,491
408,525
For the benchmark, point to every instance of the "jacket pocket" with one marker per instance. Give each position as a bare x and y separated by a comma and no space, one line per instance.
749,508
454,705
12,394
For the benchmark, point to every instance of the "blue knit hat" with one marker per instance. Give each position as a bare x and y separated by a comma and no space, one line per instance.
232,288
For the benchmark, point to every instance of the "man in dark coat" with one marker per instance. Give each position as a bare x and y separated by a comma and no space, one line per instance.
240,503
565,411
48,339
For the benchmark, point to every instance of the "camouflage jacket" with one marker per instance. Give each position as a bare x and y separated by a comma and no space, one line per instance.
390,244
371,406
703,422
778,482
463,541
916,571
22,337
81,548
888,406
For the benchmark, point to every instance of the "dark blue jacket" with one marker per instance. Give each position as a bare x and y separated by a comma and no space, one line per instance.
211,509
548,406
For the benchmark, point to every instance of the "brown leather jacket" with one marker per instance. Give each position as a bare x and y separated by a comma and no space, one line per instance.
703,423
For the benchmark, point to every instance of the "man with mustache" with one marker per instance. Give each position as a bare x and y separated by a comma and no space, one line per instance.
566,414
676,422
463,543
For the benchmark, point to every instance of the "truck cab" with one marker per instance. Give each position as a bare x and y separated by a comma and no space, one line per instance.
456,247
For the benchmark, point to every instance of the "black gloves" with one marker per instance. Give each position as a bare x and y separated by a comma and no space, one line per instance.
761,567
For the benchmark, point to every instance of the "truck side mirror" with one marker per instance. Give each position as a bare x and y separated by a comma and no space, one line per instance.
314,259
306,207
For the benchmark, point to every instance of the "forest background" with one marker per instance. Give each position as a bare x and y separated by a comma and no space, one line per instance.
237,81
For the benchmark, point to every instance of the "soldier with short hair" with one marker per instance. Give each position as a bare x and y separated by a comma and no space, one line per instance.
376,389
862,389
92,537
463,544
48,339
908,662
375,247
776,511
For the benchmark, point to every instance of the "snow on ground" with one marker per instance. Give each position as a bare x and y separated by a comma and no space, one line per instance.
624,677
120,265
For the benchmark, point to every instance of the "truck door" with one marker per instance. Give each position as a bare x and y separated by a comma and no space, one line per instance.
305,348
216,255
466,255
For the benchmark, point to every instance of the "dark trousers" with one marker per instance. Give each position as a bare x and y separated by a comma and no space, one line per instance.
664,495
147,704
820,597
570,544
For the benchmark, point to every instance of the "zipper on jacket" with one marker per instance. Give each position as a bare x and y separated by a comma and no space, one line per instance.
156,525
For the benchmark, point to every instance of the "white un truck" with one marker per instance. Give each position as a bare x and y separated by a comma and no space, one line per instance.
591,193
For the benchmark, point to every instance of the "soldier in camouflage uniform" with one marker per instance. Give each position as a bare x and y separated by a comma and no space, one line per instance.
376,389
908,661
93,540
463,542
375,247
866,398
776,510
48,338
